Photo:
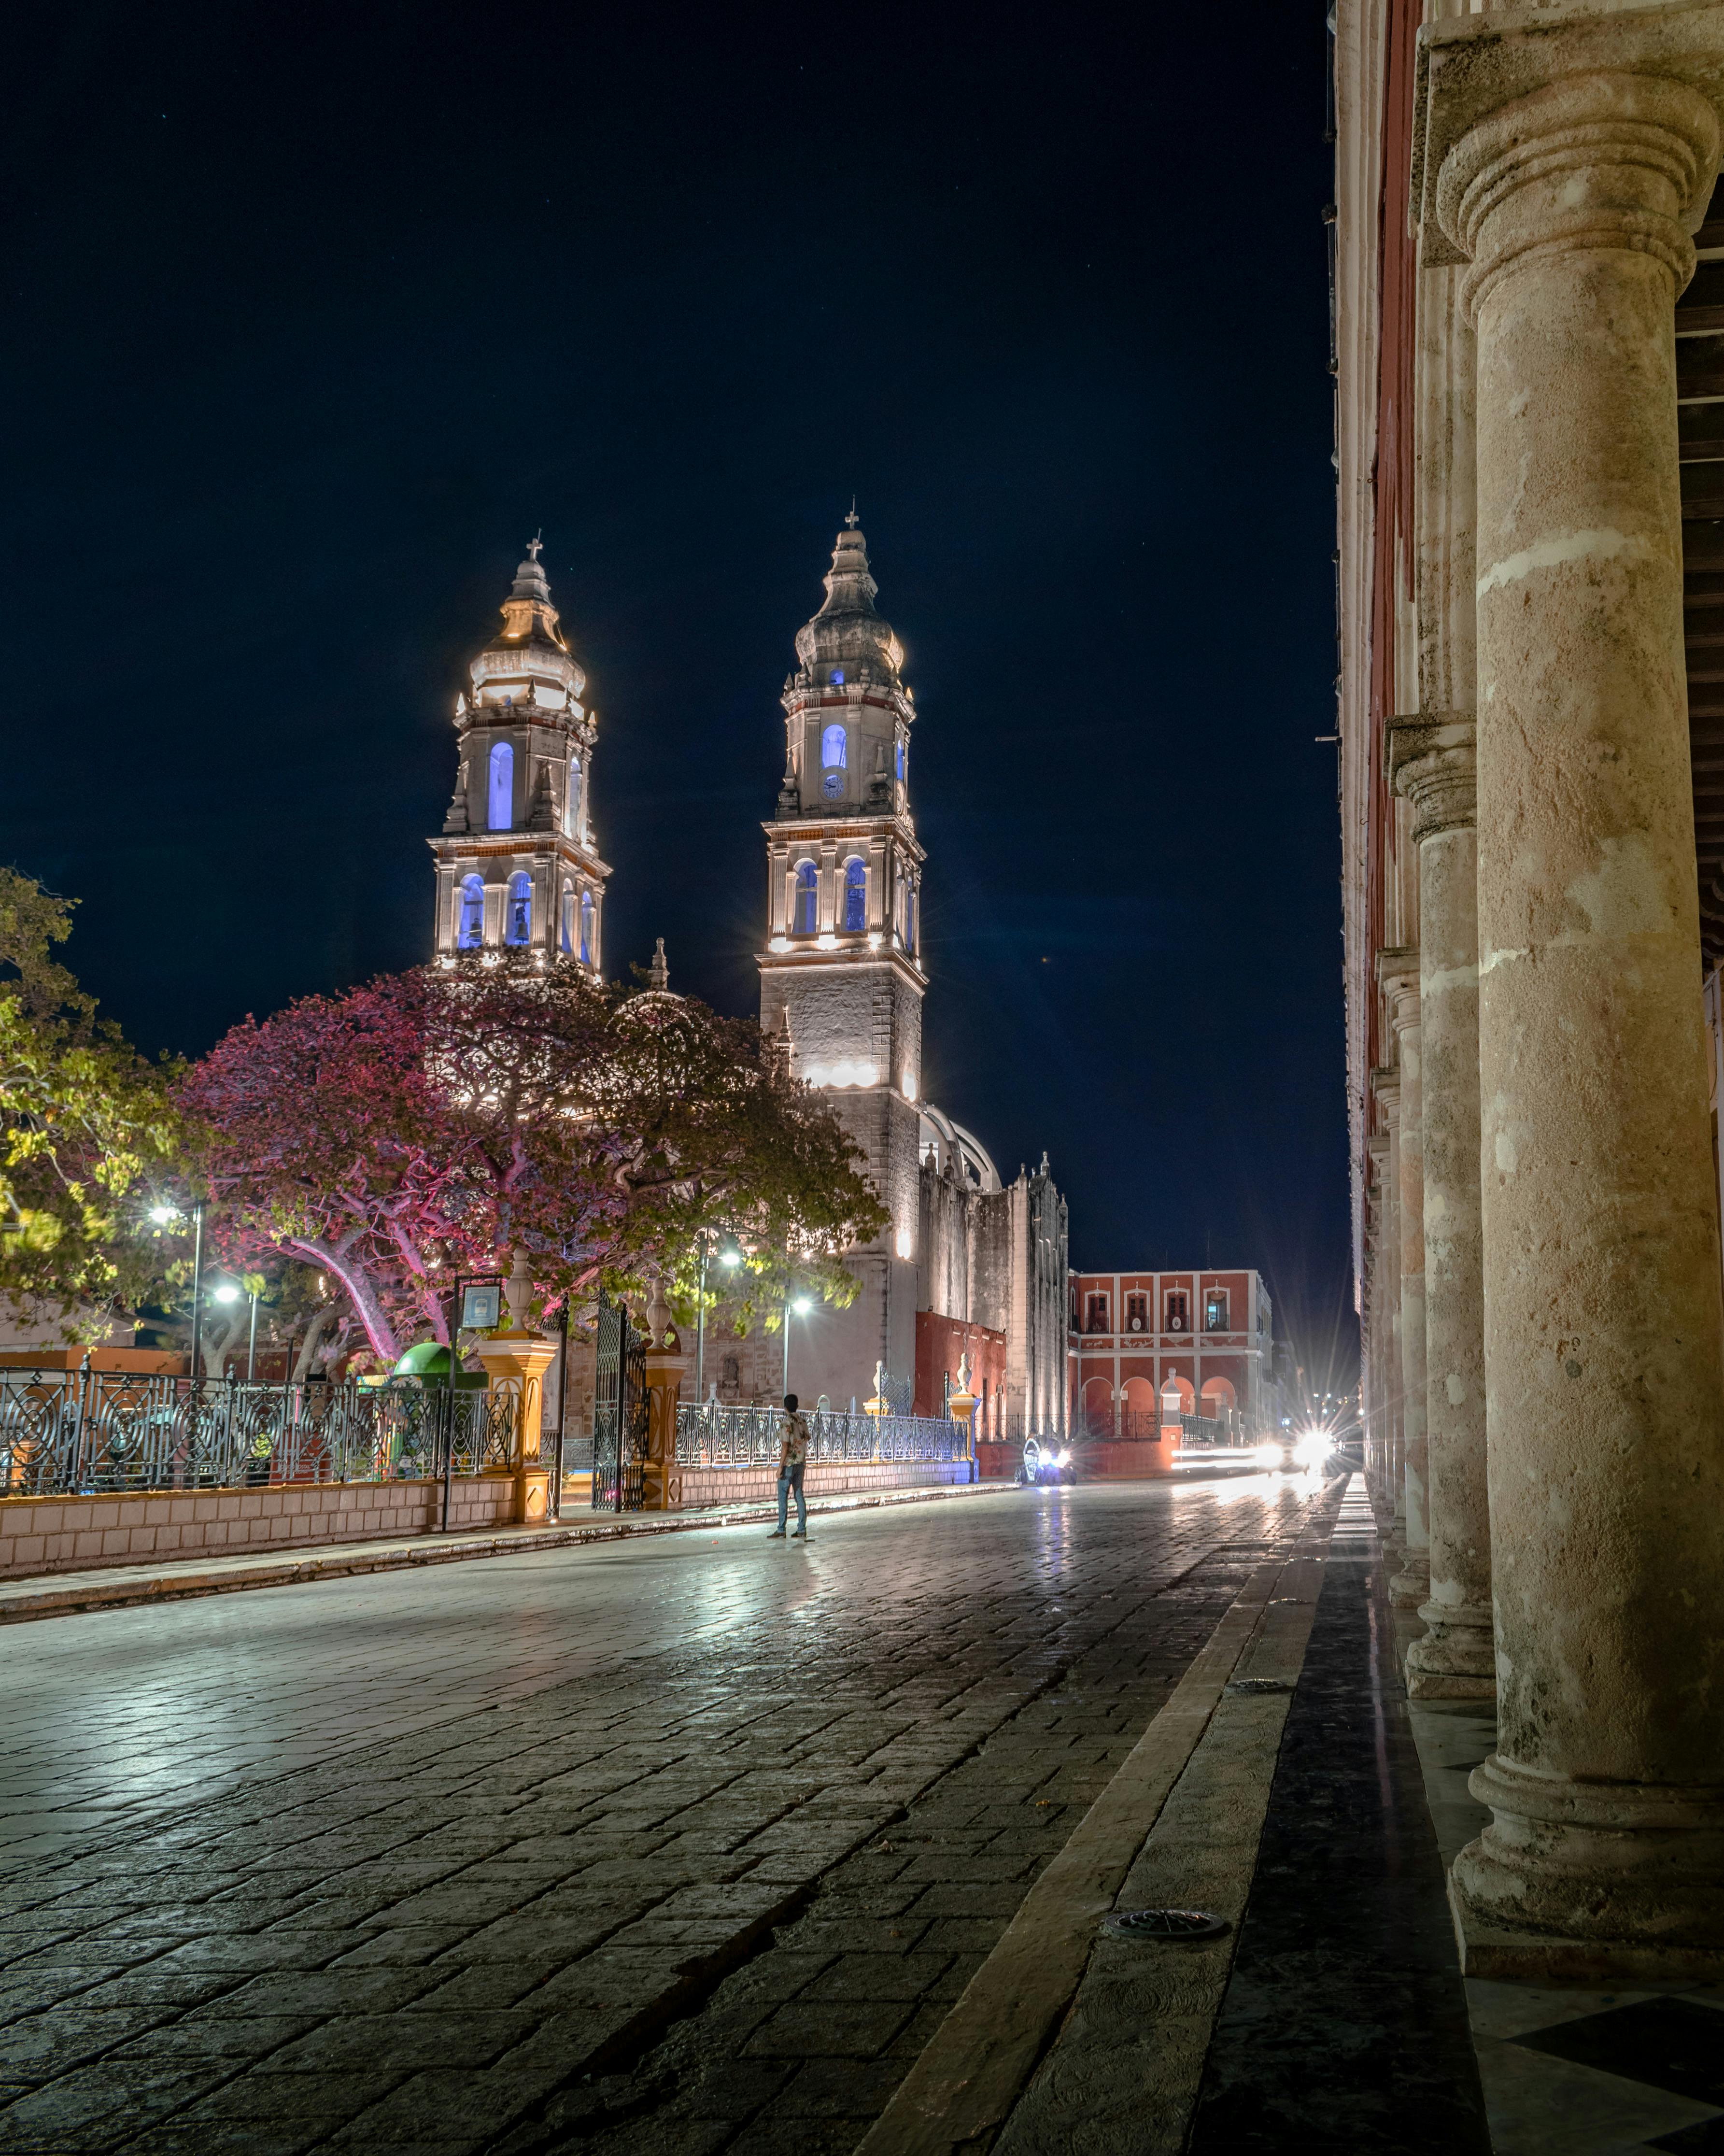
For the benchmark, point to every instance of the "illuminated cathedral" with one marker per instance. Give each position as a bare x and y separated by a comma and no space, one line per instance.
967,1265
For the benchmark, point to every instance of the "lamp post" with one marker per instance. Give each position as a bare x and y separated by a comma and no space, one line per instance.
164,1215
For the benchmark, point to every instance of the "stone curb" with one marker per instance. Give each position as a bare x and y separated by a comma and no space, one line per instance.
964,2088
22,1601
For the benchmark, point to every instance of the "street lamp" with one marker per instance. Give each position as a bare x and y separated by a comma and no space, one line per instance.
802,1307
227,1292
730,1259
164,1215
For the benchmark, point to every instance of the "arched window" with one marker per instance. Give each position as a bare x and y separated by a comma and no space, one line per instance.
835,749
502,787
585,928
855,894
910,918
567,924
471,933
902,761
518,926
572,800
807,899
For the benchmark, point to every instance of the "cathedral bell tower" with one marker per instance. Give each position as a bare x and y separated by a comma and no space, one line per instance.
842,974
518,876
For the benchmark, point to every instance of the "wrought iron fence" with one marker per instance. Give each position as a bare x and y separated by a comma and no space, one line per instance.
715,1437
621,1413
64,1432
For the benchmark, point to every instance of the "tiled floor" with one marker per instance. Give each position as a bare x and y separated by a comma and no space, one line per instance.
1570,2072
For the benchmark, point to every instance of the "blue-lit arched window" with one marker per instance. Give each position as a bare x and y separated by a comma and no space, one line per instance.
567,923
902,758
470,932
585,928
502,787
855,894
807,899
518,926
572,802
835,750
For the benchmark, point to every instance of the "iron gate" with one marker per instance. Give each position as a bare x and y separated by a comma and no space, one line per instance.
620,1411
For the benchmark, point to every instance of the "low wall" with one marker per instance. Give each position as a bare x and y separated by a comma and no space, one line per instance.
65,1534
753,1486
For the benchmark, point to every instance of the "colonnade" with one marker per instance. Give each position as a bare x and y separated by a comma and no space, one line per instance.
1545,1379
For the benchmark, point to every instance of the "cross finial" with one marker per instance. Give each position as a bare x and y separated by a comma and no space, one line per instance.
853,519
535,543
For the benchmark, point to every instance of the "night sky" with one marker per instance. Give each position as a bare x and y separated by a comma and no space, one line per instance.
316,314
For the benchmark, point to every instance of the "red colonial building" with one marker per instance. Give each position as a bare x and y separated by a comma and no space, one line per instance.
1147,1349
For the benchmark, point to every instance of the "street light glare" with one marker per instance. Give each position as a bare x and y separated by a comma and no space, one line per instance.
730,1257
161,1214
801,1306
227,1292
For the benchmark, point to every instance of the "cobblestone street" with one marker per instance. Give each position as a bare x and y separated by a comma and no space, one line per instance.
682,1846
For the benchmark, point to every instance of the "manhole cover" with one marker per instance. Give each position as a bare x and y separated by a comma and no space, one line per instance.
1259,1684
1164,1924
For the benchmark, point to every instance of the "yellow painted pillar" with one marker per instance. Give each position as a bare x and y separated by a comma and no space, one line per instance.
516,1363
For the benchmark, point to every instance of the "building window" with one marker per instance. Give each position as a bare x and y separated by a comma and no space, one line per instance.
835,749
1136,1313
572,800
568,935
807,899
855,894
471,933
1215,1310
1097,1320
902,758
518,927
585,928
910,918
1179,1314
838,677
501,817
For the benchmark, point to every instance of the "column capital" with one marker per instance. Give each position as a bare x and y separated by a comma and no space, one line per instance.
1398,976
1607,120
1433,763
1386,1091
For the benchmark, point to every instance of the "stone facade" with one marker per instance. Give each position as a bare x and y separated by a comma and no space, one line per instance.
1527,453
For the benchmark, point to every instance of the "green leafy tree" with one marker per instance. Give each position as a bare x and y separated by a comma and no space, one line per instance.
86,1127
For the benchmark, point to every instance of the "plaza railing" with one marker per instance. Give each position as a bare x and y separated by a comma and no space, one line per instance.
66,1432
715,1436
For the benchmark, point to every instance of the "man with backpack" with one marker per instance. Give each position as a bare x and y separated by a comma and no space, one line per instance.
792,1459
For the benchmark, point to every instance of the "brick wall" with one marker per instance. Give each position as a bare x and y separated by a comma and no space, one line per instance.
63,1534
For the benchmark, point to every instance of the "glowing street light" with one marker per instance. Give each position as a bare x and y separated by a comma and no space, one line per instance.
801,1306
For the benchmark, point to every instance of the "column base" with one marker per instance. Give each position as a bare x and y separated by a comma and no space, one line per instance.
1456,1656
1613,1877
1410,1589
532,1495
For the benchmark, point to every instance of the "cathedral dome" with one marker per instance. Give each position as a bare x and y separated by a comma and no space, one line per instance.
847,634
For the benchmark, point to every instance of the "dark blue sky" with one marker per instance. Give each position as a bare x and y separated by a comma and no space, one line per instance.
315,314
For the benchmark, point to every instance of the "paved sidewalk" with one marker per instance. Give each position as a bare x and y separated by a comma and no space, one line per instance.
459,1861
105,1587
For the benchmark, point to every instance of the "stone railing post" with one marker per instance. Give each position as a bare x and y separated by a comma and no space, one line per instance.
1434,768
1566,159
668,1369
516,1363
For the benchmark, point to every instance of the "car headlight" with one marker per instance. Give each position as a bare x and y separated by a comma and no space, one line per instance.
1313,1449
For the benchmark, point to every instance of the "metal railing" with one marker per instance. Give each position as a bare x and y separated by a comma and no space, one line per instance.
715,1437
64,1432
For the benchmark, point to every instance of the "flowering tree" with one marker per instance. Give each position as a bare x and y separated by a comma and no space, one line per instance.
432,1121
85,1126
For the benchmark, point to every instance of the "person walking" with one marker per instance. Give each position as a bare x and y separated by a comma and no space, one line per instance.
792,1459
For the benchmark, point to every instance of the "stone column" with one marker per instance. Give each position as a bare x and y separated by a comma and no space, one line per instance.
1386,1087
1605,1363
1377,1340
1398,975
516,1363
1434,767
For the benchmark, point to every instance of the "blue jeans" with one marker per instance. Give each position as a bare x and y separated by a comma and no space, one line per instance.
790,1479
